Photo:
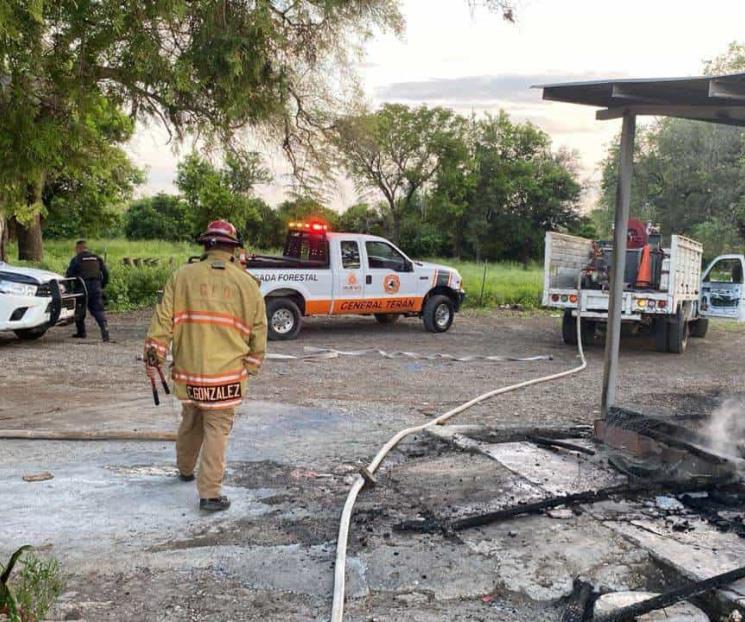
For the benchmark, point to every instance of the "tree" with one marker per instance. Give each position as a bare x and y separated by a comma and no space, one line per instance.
87,194
162,217
689,176
731,61
396,150
305,208
202,67
686,174
3,237
269,232
502,189
213,193
362,218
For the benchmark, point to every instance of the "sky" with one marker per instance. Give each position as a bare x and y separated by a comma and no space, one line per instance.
474,61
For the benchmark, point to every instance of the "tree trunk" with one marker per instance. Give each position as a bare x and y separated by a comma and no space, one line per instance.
30,243
3,239
525,255
395,222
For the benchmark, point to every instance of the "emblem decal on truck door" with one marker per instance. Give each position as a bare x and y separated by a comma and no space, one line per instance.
391,284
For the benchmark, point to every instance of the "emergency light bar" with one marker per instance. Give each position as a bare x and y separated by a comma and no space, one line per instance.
309,226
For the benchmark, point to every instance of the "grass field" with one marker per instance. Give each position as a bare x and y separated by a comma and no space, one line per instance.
506,283
133,287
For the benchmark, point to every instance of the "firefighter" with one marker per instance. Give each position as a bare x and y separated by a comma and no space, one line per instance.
212,317
92,270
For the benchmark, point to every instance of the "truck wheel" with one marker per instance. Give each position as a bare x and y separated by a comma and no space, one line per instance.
387,318
31,334
569,330
699,328
438,314
677,336
284,319
660,334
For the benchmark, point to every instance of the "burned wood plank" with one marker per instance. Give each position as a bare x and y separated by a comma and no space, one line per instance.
87,435
586,497
552,442
516,434
630,613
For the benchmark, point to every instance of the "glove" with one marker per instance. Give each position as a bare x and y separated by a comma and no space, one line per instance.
151,364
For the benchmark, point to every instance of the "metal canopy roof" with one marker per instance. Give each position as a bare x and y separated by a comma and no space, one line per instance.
720,99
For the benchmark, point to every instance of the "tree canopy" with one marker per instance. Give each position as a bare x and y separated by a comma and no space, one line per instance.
396,151
689,176
481,187
201,67
212,193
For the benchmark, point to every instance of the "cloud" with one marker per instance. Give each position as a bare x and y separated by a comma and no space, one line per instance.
486,88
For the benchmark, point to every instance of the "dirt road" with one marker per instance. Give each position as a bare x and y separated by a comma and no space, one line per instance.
58,374
134,546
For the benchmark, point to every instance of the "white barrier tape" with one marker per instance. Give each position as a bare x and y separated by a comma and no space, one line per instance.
316,354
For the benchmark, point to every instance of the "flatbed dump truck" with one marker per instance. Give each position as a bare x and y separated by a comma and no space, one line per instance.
664,290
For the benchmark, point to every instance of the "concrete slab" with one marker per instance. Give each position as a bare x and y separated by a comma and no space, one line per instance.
681,612
459,484
556,472
697,554
430,565
292,568
88,509
540,557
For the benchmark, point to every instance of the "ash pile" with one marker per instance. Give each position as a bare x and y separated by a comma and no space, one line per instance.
638,517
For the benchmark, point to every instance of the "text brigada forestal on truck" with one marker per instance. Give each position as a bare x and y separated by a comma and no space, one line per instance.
327,273
663,287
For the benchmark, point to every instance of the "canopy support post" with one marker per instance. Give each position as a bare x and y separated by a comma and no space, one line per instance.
623,207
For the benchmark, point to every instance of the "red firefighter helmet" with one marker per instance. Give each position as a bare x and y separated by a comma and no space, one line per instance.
220,232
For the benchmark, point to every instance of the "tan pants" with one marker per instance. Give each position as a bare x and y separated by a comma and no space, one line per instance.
207,430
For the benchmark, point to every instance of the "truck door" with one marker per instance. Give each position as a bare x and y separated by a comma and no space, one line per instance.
349,280
390,278
722,288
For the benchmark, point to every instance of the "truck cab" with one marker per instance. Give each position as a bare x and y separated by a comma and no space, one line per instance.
31,300
722,288
330,273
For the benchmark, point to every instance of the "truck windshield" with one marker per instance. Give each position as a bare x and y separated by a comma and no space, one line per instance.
306,246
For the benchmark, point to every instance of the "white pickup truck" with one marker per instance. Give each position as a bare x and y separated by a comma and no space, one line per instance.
324,273
31,300
672,299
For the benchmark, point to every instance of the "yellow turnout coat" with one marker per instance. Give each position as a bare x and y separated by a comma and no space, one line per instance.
213,317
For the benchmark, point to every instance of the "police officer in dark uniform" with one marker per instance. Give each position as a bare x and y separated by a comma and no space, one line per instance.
92,269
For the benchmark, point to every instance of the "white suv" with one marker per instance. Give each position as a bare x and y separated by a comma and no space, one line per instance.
33,300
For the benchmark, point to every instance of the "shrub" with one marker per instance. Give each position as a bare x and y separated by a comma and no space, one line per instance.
28,595
133,287
162,217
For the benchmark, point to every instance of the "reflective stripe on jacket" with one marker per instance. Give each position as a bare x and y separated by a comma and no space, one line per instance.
212,316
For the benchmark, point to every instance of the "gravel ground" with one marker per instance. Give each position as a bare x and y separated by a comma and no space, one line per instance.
58,374
302,431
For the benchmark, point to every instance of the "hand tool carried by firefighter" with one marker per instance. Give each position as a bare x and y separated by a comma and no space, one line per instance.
166,388
151,366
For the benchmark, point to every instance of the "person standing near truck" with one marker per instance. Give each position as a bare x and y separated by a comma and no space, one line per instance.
92,270
212,317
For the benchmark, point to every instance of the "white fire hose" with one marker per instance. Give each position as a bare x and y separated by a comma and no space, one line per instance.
318,354
337,612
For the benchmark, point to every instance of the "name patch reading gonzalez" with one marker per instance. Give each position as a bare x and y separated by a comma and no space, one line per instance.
219,393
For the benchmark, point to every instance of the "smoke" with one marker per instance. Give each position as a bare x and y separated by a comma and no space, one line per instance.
726,428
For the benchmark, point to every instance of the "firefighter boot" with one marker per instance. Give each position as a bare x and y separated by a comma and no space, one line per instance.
105,332
217,504
80,331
